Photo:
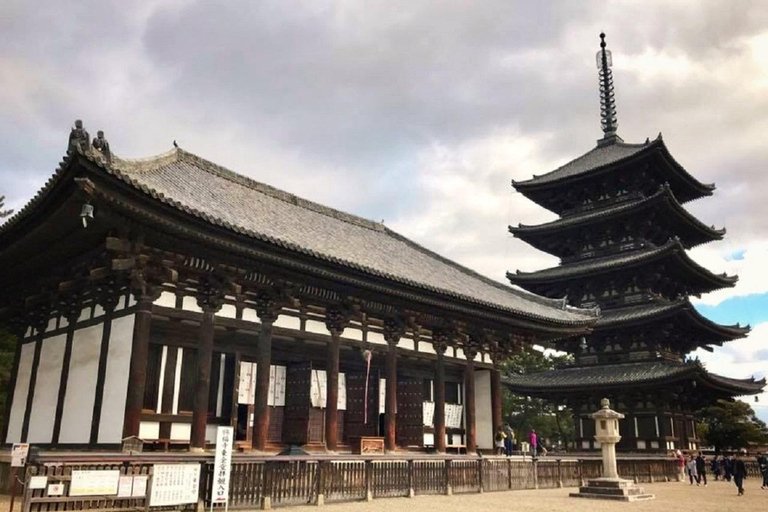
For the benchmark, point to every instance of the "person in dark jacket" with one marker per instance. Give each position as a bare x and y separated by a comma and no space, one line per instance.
762,463
727,468
701,469
716,467
739,473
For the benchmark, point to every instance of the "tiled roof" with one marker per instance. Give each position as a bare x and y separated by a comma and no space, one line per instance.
588,217
623,259
232,201
624,374
593,159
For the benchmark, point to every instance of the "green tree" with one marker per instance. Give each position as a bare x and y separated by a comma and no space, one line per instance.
552,421
731,425
4,213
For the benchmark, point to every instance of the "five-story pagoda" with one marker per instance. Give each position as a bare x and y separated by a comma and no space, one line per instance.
622,238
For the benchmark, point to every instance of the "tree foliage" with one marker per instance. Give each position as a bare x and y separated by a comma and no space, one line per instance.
552,422
4,213
731,425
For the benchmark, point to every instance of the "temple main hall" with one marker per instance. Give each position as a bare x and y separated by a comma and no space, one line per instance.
162,297
622,236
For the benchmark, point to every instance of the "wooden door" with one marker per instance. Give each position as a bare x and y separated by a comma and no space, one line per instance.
410,412
355,418
296,412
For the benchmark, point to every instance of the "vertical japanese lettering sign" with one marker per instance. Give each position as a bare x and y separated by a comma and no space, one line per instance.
222,465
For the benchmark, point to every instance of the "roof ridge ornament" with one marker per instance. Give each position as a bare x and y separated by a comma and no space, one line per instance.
608,120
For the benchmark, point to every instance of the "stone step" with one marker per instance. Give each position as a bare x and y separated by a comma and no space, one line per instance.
615,491
596,496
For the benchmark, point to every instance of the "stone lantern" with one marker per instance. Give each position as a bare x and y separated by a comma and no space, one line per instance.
609,486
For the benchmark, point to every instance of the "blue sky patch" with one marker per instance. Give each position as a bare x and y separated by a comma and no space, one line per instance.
747,309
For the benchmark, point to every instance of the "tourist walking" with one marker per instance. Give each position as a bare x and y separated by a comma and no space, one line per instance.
701,469
716,467
509,441
533,439
727,468
691,468
680,465
501,438
739,473
762,464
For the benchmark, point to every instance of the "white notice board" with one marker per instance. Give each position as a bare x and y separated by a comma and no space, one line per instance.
94,482
174,484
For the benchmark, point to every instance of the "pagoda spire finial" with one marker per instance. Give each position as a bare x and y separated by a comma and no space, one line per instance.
607,99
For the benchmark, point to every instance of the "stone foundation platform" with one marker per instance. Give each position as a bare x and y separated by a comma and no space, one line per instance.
612,489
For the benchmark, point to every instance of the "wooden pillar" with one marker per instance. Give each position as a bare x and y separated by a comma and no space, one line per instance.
439,341
210,297
393,331
137,374
335,322
263,365
496,396
203,383
469,392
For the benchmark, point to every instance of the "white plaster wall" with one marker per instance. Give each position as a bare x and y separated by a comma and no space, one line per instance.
190,304
116,383
483,409
19,404
227,311
288,322
46,390
81,385
210,433
353,334
166,299
376,337
181,431
148,430
249,315
405,343
316,327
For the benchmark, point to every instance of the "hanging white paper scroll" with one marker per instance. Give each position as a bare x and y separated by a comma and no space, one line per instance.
429,413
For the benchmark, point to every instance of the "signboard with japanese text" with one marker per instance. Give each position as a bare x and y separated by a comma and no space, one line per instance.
429,413
19,454
222,464
94,482
174,484
453,413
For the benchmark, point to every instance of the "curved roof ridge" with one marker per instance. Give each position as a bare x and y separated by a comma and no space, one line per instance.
558,303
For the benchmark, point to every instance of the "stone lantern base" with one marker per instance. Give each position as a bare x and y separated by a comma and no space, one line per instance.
612,489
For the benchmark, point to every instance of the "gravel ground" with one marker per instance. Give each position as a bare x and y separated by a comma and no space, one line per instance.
716,497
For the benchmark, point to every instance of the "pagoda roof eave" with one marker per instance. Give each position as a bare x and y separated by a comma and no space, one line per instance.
575,380
678,311
664,196
603,158
621,261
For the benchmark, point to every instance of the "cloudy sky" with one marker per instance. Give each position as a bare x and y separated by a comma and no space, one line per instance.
417,113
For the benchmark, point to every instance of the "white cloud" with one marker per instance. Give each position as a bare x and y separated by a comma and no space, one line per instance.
749,263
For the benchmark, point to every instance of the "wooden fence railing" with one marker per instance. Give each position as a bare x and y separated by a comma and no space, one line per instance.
265,482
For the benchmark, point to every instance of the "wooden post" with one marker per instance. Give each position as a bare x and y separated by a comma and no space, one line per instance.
335,322
320,501
480,475
509,473
440,345
448,489
203,383
332,393
535,474
394,328
496,398
266,489
137,374
469,387
263,364
411,480
559,474
368,483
